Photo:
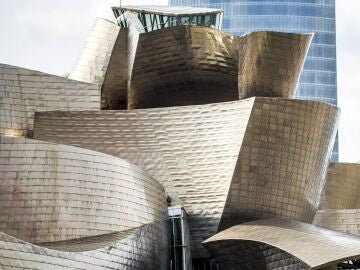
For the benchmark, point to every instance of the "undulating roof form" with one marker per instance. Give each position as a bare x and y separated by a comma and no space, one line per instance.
192,63
281,244
24,92
234,156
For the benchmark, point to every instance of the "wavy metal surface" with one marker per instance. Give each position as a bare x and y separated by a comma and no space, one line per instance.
247,149
116,251
192,63
342,187
184,65
94,60
282,164
292,242
270,63
52,192
24,91
182,147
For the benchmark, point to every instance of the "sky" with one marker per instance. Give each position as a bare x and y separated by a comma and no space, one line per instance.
48,35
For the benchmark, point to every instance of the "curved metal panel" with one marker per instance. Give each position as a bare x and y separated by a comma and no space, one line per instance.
93,62
184,65
314,246
24,92
55,192
129,251
270,63
341,190
282,164
191,150
202,153
115,85
193,63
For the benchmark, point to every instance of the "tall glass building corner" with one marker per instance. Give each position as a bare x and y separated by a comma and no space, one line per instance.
318,80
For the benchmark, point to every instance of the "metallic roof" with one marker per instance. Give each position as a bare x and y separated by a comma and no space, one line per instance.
315,246
169,10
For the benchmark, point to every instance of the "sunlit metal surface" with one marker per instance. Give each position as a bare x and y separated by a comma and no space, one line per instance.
281,244
24,92
195,62
137,251
342,220
238,155
93,62
55,192
342,187
270,63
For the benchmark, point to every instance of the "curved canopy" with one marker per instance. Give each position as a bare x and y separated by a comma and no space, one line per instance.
315,246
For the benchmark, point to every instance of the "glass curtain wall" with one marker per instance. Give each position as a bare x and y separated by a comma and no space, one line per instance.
153,21
180,239
318,80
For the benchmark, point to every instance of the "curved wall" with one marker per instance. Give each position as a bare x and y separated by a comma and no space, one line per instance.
318,79
184,65
52,192
24,92
199,65
269,154
94,60
341,190
270,63
281,168
342,220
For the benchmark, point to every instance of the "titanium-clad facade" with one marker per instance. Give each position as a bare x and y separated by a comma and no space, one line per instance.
340,202
217,140
281,244
75,200
24,92
244,156
318,80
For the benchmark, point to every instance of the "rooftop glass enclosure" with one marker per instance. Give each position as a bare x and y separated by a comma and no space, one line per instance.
158,17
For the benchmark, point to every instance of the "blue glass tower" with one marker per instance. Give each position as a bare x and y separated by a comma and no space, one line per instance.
318,79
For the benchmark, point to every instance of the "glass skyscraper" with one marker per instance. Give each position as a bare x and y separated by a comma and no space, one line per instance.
318,79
